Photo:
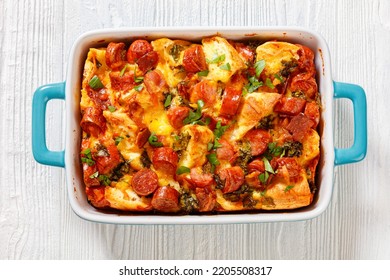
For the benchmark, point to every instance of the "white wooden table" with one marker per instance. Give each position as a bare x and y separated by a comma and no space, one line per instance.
36,221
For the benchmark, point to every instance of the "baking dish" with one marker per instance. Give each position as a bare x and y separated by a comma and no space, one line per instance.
70,92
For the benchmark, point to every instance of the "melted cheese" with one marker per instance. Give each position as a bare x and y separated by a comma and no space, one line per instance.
276,197
274,53
217,46
149,111
170,69
196,151
311,148
255,106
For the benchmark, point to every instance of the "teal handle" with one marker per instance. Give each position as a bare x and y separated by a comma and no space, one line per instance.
358,150
40,151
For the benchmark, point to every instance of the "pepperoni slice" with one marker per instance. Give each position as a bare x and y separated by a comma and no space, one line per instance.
97,196
155,82
148,61
245,52
312,111
200,179
194,59
144,182
106,163
138,49
306,59
232,95
256,165
115,55
299,126
166,199
291,106
136,112
142,137
259,139
252,179
204,90
93,121
165,159
206,199
125,82
292,166
305,83
233,177
226,152
176,115
312,167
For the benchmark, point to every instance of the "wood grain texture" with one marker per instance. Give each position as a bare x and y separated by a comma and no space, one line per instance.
35,216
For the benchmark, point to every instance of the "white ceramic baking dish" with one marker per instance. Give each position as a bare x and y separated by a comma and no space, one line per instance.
70,92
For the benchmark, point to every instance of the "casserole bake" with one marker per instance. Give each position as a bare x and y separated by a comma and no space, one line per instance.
70,157
210,126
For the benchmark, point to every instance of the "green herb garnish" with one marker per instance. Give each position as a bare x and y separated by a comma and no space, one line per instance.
259,67
138,88
216,59
212,158
94,175
288,188
118,140
225,66
87,157
263,177
153,140
95,83
168,101
269,84
275,150
195,116
138,79
111,108
123,70
104,180
182,170
280,78
268,166
251,86
219,130
203,73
